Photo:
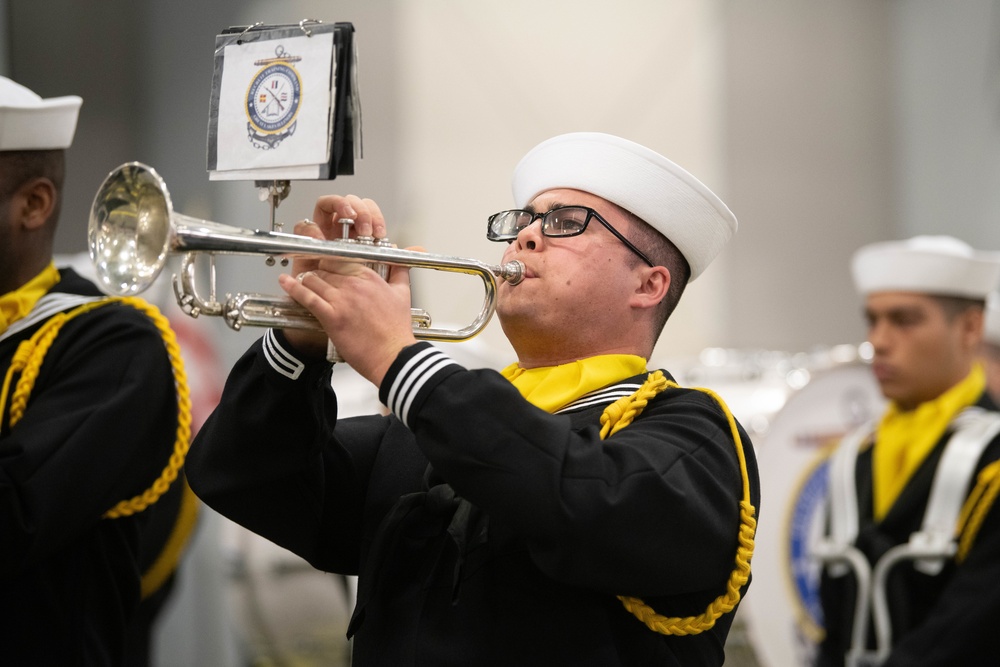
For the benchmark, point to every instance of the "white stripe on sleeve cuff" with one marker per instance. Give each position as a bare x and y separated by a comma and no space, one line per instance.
412,378
280,359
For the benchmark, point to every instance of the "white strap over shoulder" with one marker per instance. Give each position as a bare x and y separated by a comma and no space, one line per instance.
843,487
836,549
975,428
46,307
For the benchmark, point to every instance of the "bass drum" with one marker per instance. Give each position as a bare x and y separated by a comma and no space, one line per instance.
782,611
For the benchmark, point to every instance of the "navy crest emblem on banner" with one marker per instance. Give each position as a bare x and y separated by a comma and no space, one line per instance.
272,101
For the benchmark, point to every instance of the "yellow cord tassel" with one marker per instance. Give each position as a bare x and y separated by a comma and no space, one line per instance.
620,414
28,361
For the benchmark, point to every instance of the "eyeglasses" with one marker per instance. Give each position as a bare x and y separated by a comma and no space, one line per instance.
562,221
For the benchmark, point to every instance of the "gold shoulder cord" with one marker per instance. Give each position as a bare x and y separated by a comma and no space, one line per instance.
620,414
979,502
28,360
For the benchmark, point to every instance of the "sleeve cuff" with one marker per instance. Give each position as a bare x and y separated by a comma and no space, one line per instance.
412,376
279,356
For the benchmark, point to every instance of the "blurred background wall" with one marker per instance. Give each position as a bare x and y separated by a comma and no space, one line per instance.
823,125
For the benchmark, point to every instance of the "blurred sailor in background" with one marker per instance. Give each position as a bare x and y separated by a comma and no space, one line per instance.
912,556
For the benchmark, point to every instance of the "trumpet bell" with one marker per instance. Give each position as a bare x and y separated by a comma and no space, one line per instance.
129,231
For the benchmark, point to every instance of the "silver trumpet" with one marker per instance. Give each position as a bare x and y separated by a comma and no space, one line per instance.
133,228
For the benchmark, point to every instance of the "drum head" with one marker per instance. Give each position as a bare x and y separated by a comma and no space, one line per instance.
782,609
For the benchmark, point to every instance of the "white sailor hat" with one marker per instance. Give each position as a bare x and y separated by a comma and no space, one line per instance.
636,178
941,265
29,123
991,326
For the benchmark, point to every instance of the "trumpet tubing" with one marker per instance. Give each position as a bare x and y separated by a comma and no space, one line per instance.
133,229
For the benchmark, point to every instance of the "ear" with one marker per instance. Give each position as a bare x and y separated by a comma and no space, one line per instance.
34,203
654,282
971,328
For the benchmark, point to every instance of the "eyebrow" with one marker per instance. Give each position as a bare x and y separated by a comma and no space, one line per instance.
531,208
895,312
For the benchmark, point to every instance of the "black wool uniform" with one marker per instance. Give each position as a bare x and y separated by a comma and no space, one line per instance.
485,531
948,618
99,427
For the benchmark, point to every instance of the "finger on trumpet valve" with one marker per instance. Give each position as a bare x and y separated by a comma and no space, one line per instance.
381,268
345,225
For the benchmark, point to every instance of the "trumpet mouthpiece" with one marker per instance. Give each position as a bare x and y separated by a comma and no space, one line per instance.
512,272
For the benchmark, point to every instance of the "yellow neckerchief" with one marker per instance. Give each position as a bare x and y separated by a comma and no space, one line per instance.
15,305
904,439
552,387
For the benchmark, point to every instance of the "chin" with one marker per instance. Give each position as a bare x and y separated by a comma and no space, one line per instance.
904,400
891,391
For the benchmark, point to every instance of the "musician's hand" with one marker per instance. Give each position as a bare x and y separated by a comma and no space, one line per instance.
367,217
329,209
306,342
367,318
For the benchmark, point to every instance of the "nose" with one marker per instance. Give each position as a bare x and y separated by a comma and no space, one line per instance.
530,236
878,336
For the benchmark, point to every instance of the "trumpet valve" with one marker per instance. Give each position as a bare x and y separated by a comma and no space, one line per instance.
380,268
345,226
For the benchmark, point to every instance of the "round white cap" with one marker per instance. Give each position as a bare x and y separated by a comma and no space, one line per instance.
641,181
941,265
991,326
29,123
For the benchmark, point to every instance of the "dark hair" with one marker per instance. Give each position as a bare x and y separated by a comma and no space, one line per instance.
19,167
953,306
662,252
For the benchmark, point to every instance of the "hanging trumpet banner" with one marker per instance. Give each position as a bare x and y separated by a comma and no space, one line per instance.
284,103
